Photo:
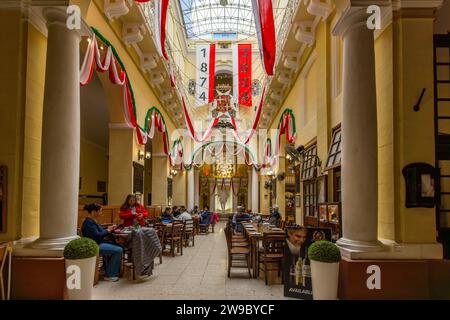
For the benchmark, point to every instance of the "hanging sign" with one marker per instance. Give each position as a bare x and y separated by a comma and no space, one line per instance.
206,65
242,73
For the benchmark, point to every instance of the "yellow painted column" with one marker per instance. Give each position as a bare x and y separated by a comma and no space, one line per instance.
281,168
179,188
14,33
120,171
414,131
160,172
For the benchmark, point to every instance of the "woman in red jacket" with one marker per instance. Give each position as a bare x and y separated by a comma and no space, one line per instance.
133,212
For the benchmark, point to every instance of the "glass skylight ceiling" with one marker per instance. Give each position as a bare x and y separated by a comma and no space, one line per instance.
218,19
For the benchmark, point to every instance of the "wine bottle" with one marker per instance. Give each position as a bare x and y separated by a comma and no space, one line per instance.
298,272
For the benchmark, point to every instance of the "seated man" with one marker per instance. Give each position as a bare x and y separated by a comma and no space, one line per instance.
239,217
92,229
275,217
184,215
167,215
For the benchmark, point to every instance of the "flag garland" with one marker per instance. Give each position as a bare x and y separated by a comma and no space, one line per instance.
160,26
154,119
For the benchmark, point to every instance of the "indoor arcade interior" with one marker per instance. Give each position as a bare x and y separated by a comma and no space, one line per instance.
225,149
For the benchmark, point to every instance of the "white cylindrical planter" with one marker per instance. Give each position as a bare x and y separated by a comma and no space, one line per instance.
80,275
325,279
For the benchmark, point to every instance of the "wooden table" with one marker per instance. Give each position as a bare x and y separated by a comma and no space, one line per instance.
254,239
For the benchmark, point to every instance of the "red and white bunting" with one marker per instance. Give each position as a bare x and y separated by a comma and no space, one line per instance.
265,29
206,68
160,26
242,73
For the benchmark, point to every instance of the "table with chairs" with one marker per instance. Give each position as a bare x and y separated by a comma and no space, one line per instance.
261,244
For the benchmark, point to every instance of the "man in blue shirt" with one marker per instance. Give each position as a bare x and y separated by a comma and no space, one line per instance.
91,229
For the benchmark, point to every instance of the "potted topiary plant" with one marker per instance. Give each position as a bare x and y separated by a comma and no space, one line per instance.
80,258
325,257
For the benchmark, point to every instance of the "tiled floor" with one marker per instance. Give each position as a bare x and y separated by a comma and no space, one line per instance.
201,273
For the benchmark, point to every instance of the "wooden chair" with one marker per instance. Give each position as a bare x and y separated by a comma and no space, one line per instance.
237,240
283,224
238,257
5,258
173,237
161,230
272,254
127,261
204,228
189,233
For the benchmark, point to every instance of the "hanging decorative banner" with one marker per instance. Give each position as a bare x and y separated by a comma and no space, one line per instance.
254,126
242,73
265,29
160,26
206,69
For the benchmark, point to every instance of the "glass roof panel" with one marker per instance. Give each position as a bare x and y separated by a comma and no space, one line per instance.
218,18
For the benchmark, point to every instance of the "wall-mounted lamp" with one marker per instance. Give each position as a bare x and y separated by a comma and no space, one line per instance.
141,155
173,173
144,155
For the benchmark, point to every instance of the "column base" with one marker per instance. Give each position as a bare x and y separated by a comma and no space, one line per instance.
350,248
56,244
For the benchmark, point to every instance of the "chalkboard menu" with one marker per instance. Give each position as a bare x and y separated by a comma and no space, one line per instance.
3,197
138,178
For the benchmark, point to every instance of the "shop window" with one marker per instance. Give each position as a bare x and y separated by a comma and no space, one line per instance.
310,198
334,154
337,185
310,163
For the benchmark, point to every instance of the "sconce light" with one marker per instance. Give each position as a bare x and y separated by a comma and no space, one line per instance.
173,173
141,155
148,155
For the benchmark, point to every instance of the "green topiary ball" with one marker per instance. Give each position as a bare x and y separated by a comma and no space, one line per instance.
324,251
81,248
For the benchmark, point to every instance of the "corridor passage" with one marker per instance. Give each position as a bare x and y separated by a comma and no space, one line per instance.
201,273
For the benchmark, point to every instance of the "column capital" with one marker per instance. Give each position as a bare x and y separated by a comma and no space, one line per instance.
58,15
353,14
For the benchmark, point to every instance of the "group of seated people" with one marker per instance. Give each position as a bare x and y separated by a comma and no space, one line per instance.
133,214
242,215
181,213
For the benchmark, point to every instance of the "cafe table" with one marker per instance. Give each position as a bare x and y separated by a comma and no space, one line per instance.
255,233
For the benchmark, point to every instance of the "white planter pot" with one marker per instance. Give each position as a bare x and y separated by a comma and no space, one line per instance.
80,275
325,278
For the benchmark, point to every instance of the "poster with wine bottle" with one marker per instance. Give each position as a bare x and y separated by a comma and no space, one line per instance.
296,263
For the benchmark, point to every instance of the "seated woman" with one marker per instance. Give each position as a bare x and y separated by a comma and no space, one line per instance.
167,215
91,229
132,212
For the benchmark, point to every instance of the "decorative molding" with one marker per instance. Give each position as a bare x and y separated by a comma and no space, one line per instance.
320,9
306,32
133,33
116,8
409,4
148,62
36,18
157,78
